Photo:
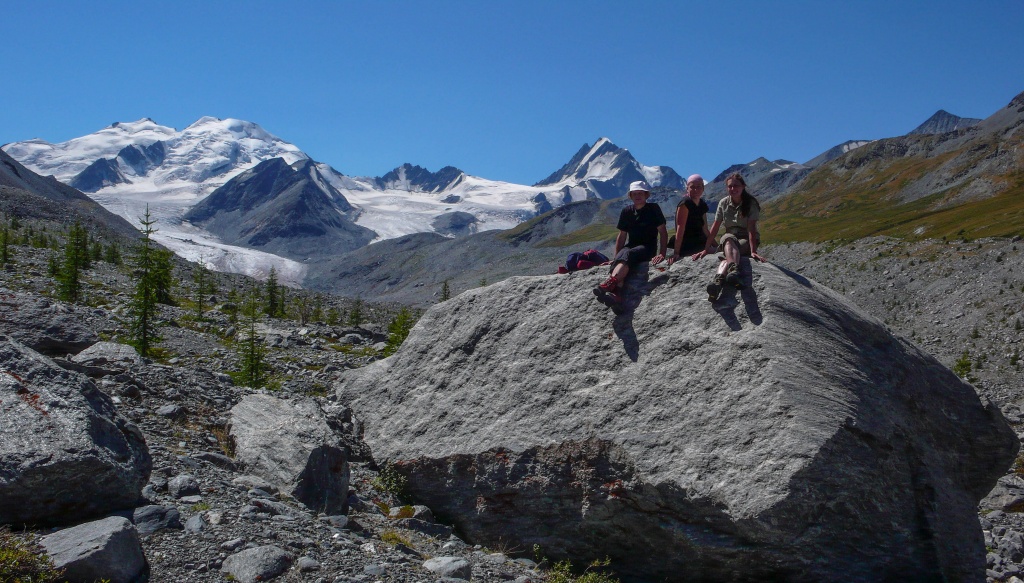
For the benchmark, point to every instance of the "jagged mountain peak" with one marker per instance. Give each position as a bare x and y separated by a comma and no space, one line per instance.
578,166
604,170
942,121
412,178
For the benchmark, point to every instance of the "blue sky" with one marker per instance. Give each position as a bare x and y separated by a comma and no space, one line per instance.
510,90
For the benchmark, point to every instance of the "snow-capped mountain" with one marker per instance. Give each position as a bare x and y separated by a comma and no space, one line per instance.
288,210
144,156
130,167
605,170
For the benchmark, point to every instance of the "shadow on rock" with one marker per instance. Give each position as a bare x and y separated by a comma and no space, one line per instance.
638,286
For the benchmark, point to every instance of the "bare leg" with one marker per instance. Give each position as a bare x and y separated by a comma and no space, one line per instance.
732,255
620,272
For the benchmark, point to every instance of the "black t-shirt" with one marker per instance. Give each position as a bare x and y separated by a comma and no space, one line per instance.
696,216
641,225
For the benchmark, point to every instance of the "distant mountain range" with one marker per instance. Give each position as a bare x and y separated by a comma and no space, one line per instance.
241,199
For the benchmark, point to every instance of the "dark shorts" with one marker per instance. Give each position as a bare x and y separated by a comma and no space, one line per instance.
633,256
689,246
743,244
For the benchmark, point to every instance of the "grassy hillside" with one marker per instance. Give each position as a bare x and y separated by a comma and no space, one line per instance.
855,198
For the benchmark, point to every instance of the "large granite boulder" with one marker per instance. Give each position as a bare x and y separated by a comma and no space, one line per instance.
292,445
778,434
66,455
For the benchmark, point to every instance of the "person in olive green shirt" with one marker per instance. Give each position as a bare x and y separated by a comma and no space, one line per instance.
738,213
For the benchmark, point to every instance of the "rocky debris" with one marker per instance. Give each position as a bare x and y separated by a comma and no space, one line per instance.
1007,496
46,326
779,433
182,485
154,518
291,444
106,549
1005,544
453,567
258,564
58,427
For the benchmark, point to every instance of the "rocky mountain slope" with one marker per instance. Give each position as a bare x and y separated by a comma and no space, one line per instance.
284,209
966,182
26,195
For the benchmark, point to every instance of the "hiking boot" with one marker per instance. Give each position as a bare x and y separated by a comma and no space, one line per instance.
732,276
715,288
610,285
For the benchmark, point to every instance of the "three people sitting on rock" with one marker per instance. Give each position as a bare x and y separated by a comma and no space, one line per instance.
642,226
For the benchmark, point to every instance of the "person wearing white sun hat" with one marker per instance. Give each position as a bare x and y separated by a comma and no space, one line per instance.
642,237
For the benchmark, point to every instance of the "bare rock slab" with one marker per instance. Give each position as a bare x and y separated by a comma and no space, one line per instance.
290,444
103,550
777,434
56,428
258,564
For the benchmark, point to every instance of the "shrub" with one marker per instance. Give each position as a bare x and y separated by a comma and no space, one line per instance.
962,367
22,562
391,481
594,573
393,538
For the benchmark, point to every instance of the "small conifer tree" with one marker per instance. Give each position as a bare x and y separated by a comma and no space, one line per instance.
76,260
272,306
112,254
252,358
142,309
355,316
398,329
204,284
333,316
5,250
163,278
446,291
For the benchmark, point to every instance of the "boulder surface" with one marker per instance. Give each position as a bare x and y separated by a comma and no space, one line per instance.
777,434
52,328
66,455
292,445
104,550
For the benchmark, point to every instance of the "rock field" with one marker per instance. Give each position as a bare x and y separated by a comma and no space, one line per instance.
203,516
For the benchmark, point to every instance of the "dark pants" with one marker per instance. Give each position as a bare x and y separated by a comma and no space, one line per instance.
633,256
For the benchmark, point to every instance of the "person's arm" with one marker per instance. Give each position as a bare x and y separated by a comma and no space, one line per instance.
710,242
752,237
662,245
681,214
620,242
